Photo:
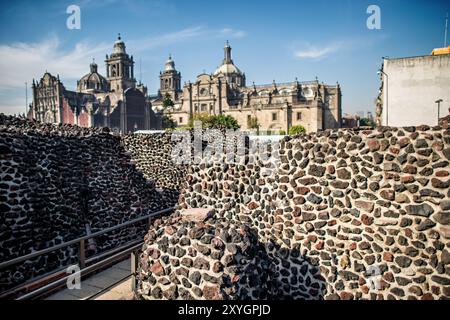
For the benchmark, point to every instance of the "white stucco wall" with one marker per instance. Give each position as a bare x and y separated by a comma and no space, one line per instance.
411,89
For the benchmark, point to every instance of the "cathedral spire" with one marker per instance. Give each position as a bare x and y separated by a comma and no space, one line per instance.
227,54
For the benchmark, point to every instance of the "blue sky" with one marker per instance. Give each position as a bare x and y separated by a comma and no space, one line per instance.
271,40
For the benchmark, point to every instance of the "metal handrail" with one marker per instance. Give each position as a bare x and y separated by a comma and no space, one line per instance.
83,272
132,247
62,269
81,239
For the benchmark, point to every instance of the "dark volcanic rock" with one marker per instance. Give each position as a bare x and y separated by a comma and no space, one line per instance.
424,210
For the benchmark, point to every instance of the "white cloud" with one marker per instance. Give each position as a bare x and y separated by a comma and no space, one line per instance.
233,33
314,52
182,35
318,52
20,62
166,39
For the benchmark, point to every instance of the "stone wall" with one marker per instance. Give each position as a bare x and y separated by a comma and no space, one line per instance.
152,156
348,214
58,183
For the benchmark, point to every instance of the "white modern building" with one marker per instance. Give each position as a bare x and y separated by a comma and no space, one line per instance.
413,88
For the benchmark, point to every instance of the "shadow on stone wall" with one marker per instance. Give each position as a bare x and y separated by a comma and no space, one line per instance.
218,259
60,182
296,276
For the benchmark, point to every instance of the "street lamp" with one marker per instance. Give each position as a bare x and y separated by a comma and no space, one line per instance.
387,84
439,107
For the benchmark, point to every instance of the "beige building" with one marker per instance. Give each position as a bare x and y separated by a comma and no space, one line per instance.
277,106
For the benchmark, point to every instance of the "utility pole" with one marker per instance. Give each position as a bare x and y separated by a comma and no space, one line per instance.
446,28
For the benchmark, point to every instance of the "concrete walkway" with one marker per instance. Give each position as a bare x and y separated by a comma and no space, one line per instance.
100,281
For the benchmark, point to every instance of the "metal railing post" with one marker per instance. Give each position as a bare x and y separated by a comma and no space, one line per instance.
82,254
134,267
81,242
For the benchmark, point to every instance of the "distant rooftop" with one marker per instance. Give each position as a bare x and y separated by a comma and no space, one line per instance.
440,51
435,52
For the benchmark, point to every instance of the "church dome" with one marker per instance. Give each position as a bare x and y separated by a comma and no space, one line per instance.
227,68
119,46
93,81
170,64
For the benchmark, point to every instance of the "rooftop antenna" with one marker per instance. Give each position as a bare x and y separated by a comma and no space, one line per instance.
446,28
140,70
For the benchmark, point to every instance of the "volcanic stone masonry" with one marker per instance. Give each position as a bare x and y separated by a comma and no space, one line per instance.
348,214
152,156
60,182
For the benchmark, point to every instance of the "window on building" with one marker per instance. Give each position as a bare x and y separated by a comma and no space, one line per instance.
274,116
180,120
299,116
203,107
196,108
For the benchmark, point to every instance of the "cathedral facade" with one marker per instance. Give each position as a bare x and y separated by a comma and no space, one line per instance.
114,101
275,106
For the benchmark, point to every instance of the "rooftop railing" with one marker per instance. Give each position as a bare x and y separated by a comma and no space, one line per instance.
280,84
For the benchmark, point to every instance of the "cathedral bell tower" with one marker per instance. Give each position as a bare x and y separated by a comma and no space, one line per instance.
170,80
120,68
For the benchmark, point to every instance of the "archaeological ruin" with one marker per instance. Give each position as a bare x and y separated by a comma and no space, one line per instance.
346,214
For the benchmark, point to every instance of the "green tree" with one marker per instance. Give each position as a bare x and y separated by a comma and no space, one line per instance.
253,123
203,117
168,122
225,121
214,121
167,101
365,122
295,130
